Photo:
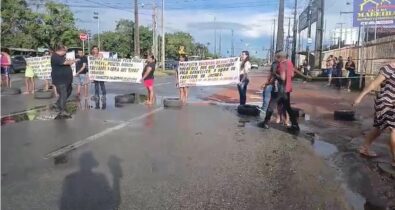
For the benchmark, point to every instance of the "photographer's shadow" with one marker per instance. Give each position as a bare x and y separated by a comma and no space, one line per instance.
87,189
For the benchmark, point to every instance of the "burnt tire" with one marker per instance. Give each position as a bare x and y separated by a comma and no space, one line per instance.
297,112
344,115
125,99
10,91
248,110
41,94
172,103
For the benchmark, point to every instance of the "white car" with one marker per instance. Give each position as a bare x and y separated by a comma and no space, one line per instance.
254,66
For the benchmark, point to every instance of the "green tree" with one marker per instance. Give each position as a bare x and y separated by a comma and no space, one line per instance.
55,25
15,14
175,40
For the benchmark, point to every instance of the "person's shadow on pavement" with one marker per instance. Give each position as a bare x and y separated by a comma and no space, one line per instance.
89,190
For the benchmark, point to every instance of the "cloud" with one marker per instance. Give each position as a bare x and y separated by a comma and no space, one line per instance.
216,25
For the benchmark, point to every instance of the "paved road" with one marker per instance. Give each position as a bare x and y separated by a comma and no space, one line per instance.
135,157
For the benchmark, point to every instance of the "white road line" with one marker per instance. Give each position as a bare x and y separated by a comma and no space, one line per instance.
96,136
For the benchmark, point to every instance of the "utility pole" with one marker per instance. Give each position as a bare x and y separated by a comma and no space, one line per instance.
272,51
308,33
136,29
215,37
163,35
319,34
219,45
96,16
341,34
288,35
295,31
280,27
232,46
154,39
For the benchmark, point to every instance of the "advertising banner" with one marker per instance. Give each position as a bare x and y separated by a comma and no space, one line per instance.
374,12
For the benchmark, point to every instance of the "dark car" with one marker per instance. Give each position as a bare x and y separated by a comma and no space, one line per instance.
18,64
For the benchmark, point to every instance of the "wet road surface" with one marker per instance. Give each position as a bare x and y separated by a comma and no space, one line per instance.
135,157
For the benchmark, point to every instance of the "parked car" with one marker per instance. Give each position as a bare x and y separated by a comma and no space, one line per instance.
254,66
18,64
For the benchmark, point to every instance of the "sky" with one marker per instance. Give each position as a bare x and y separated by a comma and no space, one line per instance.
250,20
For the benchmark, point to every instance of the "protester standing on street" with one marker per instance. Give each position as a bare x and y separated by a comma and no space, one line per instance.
183,90
384,109
268,89
148,78
99,84
350,67
244,69
29,81
284,74
62,77
81,79
329,68
339,72
5,67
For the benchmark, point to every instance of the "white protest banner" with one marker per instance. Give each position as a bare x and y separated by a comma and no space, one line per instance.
71,56
116,70
41,66
223,71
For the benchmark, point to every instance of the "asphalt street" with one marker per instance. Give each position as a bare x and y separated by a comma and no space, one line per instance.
202,156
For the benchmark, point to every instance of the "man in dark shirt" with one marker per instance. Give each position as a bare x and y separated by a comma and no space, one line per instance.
81,79
62,77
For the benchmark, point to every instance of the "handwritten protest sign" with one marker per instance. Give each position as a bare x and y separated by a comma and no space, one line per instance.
71,56
116,70
209,72
41,66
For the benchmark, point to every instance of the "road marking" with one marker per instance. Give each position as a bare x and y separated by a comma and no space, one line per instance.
96,136
255,97
40,108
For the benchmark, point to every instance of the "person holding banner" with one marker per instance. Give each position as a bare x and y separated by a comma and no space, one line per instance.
148,78
183,90
245,68
81,79
29,81
62,77
48,83
95,53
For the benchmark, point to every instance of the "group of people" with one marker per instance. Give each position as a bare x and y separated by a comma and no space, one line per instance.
276,90
334,68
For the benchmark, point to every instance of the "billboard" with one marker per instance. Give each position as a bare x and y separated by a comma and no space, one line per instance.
303,17
372,12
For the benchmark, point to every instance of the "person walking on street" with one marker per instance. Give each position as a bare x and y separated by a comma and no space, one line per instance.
384,106
183,90
62,77
268,89
329,68
339,72
350,67
5,67
148,78
81,79
99,84
243,83
284,74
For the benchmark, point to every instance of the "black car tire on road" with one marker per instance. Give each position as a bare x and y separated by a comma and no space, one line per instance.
172,102
125,99
10,91
41,94
248,110
344,115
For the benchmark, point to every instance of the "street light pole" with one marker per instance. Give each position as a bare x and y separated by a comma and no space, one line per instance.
163,34
96,16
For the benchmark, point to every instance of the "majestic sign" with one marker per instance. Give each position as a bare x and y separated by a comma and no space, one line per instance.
116,70
374,12
209,72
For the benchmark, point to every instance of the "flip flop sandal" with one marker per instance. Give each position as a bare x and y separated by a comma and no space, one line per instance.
365,152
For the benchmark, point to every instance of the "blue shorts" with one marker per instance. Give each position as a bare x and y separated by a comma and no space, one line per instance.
81,79
5,71
329,72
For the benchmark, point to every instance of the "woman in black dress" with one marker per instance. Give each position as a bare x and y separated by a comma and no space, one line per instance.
384,109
